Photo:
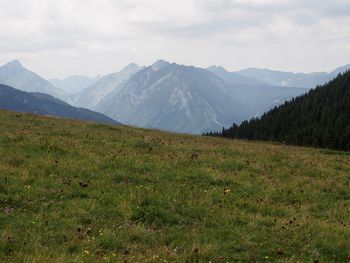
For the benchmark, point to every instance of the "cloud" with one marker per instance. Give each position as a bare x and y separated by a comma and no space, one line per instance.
99,36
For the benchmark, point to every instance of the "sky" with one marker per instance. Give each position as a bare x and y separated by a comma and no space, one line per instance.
57,38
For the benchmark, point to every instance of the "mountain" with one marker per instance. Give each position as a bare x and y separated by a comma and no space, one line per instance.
290,79
320,118
15,75
43,104
92,95
190,100
175,98
74,84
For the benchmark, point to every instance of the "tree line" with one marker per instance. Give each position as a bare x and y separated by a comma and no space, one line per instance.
320,118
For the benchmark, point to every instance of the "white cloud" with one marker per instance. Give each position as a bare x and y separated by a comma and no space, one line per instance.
57,38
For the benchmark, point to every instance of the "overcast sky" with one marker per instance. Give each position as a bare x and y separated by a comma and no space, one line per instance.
56,38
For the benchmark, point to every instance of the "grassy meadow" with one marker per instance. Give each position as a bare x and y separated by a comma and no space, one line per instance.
75,191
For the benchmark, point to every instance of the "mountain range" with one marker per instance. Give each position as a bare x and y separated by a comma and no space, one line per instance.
173,97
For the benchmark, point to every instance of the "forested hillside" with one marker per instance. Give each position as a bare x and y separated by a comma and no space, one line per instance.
320,118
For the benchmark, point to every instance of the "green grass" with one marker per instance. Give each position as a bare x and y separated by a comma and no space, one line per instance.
81,192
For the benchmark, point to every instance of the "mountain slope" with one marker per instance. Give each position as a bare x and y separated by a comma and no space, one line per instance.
43,104
173,97
15,75
93,94
74,84
320,118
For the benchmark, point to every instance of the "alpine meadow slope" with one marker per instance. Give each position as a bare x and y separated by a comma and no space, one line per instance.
73,191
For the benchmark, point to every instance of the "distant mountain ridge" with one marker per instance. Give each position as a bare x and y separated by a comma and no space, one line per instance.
43,104
291,79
